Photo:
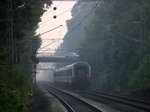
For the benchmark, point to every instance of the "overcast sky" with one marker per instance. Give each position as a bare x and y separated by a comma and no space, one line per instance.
63,13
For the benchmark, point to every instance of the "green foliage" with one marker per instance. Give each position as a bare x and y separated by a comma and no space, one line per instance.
21,81
9,100
36,43
141,77
101,82
117,40
25,22
22,85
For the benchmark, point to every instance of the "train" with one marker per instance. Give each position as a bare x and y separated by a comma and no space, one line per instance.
76,75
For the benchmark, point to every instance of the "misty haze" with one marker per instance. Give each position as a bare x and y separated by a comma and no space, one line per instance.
75,56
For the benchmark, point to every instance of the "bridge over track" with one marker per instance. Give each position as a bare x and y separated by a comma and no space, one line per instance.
57,59
53,58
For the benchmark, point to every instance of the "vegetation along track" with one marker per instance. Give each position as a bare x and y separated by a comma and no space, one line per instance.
137,104
71,103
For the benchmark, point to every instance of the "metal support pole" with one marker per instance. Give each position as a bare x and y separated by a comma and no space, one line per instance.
9,30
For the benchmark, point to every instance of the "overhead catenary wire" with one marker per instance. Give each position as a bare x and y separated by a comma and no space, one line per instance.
118,33
57,16
46,49
76,18
85,17
50,30
94,6
47,32
59,4
112,31
40,34
47,45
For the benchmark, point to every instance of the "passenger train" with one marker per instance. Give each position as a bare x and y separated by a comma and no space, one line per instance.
77,75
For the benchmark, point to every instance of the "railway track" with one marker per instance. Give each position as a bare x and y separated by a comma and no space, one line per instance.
130,102
70,102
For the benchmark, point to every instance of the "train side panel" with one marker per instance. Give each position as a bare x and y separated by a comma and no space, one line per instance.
77,75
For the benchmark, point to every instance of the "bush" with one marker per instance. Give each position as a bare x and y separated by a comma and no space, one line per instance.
141,77
9,100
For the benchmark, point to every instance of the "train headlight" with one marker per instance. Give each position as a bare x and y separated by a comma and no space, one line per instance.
75,75
88,75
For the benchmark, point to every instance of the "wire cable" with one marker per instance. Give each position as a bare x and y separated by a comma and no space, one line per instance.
50,30
48,48
93,8
47,45
76,18
57,16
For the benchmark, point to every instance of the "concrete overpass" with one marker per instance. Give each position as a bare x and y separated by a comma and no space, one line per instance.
58,59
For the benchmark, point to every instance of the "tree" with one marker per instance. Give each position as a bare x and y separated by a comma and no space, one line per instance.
26,15
116,43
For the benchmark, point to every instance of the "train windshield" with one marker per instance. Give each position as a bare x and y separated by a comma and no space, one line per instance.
81,71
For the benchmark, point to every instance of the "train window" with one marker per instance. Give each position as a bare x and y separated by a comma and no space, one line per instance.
81,71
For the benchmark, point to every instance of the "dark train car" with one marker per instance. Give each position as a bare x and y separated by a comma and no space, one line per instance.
77,75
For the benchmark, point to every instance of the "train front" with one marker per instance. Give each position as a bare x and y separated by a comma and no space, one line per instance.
82,75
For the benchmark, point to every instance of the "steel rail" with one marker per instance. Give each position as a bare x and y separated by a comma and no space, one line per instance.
68,94
66,105
122,97
141,105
